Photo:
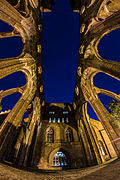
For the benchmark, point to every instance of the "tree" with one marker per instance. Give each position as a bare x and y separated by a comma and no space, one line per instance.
115,111
0,107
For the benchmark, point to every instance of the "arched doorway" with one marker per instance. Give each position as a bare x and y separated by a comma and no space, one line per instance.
59,159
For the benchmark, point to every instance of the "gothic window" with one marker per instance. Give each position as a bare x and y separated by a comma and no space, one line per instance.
63,120
50,120
59,159
54,120
58,120
65,112
50,136
102,148
51,112
69,135
67,120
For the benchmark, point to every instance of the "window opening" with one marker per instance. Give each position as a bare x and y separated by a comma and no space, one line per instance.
69,135
50,136
63,120
67,120
59,159
65,112
54,120
102,148
58,120
50,120
51,112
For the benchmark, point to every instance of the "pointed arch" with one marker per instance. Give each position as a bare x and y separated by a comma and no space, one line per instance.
60,159
50,135
69,135
102,147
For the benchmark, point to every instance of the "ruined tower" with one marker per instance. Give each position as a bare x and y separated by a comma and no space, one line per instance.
58,135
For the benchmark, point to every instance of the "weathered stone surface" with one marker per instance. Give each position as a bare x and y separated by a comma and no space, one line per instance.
101,172
24,143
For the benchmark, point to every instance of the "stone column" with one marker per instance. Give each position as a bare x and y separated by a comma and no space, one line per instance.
95,150
103,115
10,124
29,132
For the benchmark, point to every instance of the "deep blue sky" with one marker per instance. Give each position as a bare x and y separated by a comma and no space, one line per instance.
59,57
60,52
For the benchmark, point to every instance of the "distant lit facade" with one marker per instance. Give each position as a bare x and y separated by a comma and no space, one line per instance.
59,141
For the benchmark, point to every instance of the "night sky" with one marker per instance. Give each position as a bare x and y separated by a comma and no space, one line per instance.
59,58
60,52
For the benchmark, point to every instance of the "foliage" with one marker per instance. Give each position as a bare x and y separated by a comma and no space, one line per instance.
0,107
115,111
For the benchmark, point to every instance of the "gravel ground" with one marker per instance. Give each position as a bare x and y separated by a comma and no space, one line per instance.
109,171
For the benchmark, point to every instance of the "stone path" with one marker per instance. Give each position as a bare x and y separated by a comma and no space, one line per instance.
109,171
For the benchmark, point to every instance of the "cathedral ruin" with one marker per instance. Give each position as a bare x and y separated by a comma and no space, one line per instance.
58,136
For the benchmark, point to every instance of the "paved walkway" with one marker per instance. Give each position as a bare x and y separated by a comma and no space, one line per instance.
109,171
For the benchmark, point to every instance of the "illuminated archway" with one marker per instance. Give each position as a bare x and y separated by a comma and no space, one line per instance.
60,159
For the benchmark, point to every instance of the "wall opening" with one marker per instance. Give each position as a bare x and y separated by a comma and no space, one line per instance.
60,159
109,46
